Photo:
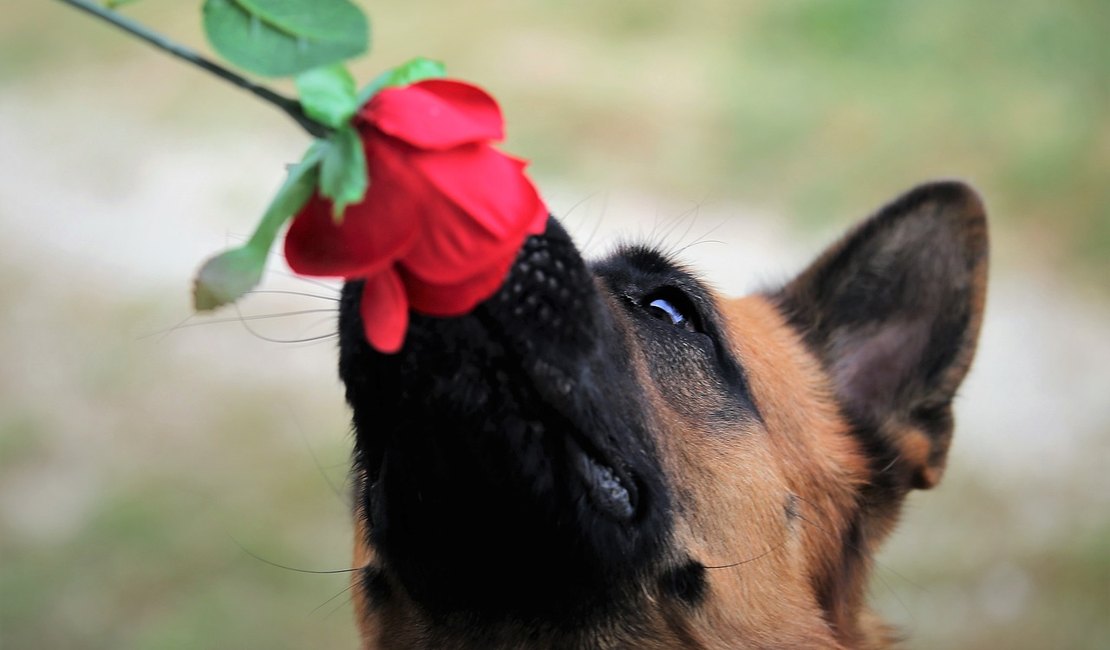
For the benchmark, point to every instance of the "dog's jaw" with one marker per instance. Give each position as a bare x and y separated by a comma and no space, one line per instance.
507,464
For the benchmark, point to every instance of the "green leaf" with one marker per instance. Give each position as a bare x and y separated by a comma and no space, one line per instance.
327,94
112,4
278,38
343,176
409,72
224,278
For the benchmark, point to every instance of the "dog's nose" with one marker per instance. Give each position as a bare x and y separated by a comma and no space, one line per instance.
548,297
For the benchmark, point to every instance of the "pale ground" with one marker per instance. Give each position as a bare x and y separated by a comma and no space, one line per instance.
104,218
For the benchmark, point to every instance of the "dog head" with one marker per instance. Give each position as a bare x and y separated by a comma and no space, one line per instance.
608,454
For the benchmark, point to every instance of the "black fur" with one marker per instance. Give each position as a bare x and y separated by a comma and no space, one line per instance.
501,448
685,583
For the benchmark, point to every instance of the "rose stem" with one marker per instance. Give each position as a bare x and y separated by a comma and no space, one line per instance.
290,106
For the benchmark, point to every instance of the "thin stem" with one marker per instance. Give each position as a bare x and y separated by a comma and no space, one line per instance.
290,106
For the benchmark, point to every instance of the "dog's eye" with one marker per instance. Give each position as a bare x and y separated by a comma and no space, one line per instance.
670,310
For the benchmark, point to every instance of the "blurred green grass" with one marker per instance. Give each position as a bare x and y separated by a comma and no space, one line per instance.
162,455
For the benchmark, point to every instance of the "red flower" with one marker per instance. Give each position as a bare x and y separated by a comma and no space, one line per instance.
444,216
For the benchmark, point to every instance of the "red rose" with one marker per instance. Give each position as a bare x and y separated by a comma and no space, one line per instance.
443,218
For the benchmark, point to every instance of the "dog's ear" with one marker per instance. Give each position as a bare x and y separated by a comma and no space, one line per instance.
893,311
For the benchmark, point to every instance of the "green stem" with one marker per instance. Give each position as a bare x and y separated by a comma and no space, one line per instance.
289,106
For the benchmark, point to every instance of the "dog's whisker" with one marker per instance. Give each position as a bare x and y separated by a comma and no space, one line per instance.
702,239
682,251
685,218
344,497
776,547
317,283
338,608
343,591
162,334
278,565
306,340
255,333
322,321
241,318
691,217
573,209
597,223
287,292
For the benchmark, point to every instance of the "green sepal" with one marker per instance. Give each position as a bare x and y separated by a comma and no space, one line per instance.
327,94
226,277
343,177
409,72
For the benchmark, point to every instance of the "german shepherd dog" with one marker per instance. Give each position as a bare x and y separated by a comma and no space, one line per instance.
609,455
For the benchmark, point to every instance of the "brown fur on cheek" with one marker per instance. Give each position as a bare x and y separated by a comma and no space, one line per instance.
363,560
812,445
768,503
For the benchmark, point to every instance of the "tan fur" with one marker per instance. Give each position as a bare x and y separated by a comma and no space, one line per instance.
736,512
363,557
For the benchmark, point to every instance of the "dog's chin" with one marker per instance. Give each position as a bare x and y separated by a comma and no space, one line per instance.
504,464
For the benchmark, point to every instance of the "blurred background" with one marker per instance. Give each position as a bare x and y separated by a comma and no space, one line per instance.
154,467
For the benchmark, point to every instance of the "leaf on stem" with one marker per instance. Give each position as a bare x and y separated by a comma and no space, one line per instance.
226,277
278,38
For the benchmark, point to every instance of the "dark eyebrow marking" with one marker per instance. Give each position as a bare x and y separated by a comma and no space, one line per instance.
634,271
647,268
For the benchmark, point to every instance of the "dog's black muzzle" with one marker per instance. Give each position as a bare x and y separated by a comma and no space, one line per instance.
503,458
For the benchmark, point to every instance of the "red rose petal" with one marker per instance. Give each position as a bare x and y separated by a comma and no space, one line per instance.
538,225
436,114
481,208
372,234
385,311
443,219
455,299
488,185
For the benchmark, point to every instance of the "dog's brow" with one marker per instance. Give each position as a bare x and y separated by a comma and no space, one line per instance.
646,268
